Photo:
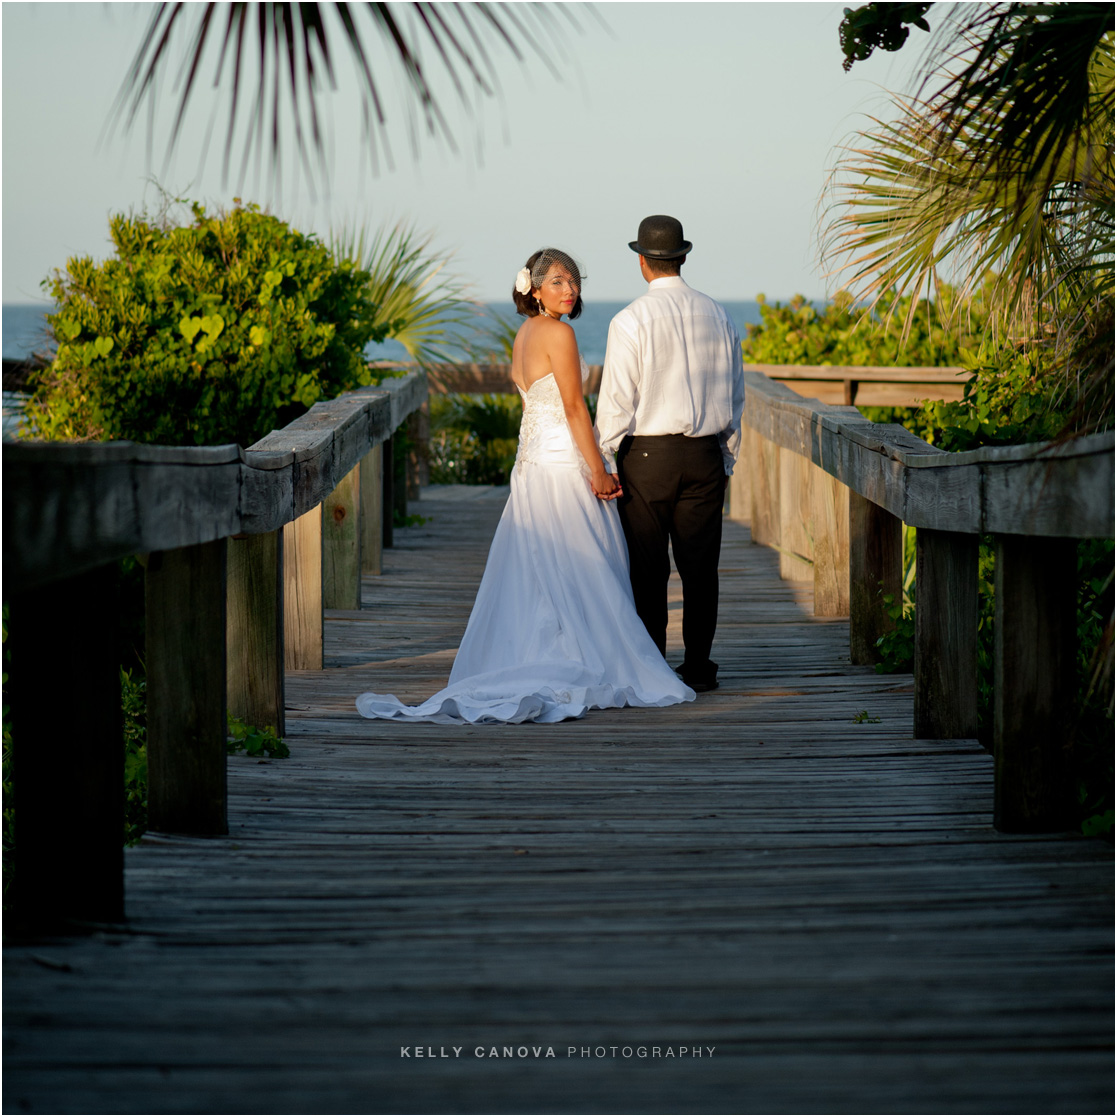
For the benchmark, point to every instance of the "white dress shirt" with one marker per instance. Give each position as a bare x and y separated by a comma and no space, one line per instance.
672,366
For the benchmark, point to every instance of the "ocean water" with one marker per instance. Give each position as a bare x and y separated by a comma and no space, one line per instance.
25,331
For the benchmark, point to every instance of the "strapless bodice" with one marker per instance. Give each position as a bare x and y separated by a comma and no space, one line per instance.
544,433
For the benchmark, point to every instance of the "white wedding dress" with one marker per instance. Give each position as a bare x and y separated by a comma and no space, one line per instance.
553,631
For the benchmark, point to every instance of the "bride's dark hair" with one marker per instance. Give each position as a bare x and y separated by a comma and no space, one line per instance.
539,264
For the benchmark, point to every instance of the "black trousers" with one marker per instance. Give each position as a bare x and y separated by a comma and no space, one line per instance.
674,489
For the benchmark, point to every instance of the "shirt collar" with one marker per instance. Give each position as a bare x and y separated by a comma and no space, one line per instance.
667,281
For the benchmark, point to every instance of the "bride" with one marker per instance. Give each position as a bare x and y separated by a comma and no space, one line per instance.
553,630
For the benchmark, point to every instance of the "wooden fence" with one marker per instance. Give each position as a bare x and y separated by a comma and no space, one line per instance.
244,549
832,491
866,385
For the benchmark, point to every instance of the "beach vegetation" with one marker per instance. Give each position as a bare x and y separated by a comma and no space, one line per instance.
212,329
415,299
474,438
941,331
1001,165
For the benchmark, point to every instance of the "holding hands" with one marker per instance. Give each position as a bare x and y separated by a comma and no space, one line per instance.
605,486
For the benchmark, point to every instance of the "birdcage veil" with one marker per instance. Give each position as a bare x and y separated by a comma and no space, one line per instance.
547,258
535,272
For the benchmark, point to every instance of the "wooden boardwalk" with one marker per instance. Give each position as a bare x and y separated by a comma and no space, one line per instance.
758,903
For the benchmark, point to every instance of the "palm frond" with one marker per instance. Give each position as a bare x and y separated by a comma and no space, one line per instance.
1040,71
906,207
424,307
289,53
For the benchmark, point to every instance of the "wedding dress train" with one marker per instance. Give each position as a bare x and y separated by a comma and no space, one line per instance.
553,630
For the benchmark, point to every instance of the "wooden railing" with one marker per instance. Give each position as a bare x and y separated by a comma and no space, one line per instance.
867,385
244,549
831,492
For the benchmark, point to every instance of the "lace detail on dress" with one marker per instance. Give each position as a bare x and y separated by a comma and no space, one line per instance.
543,410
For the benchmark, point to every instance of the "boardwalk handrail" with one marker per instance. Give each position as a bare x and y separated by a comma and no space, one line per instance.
243,550
831,490
872,385
1038,489
124,498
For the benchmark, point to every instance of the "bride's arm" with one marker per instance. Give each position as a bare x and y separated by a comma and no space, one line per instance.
563,351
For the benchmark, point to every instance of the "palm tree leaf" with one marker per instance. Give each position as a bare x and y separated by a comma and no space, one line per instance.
294,44
1032,73
424,307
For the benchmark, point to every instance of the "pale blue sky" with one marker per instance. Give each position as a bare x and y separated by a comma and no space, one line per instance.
726,115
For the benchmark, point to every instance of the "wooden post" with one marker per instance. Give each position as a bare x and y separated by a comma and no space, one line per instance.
876,568
67,752
830,523
372,505
739,497
945,635
302,592
341,544
388,500
254,630
399,478
186,711
418,454
1034,649
764,466
795,540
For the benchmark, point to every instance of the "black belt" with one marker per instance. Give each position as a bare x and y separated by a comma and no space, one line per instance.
667,439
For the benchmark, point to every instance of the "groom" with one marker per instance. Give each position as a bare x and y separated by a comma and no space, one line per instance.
669,411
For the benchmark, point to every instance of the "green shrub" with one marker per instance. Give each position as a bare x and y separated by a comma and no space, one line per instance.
254,742
216,330
473,438
837,334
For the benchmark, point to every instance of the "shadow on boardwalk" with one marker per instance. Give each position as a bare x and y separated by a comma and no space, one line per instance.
750,904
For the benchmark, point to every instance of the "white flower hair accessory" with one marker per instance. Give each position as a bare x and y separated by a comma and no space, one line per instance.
523,281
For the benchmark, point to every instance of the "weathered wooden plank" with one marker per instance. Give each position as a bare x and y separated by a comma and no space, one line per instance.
1046,489
876,570
418,453
795,546
839,392
1045,497
945,634
1033,682
830,531
341,544
406,393
347,417
254,630
739,493
388,491
69,512
267,498
186,708
400,485
302,592
880,374
372,511
67,773
764,467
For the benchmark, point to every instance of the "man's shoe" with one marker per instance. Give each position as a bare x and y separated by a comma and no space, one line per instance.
699,685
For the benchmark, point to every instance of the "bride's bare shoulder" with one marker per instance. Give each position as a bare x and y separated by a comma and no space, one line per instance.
556,334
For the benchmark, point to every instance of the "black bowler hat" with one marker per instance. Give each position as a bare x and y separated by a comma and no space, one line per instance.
660,238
